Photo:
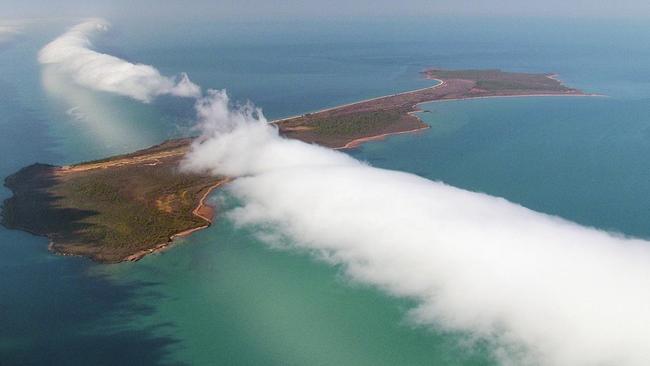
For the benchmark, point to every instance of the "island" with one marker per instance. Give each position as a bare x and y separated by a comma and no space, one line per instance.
124,207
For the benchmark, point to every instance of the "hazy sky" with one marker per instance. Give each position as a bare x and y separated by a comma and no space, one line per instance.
219,9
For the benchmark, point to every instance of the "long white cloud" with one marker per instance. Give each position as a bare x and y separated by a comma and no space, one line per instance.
542,289
72,53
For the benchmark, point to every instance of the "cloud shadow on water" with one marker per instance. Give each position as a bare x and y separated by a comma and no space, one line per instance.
61,311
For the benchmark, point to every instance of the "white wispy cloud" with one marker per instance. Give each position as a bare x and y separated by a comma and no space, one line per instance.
541,289
72,53
8,32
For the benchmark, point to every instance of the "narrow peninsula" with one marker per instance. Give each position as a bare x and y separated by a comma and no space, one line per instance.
349,125
125,207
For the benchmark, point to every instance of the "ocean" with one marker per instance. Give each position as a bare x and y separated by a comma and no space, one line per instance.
222,296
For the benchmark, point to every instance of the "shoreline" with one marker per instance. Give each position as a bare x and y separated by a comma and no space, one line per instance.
361,140
162,246
440,84
514,96
446,89
196,212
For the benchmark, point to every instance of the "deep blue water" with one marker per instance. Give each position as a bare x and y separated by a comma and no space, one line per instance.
222,296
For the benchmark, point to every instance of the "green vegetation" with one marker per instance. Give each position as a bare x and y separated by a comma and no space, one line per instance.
336,127
164,147
497,80
355,124
106,213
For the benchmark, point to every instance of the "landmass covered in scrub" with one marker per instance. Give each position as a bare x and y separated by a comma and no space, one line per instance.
124,207
340,126
110,210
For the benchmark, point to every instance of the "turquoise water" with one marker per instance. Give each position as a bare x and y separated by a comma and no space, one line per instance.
222,296
585,158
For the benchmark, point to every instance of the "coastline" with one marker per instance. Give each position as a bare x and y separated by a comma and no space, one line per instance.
451,85
209,217
514,96
441,83
361,140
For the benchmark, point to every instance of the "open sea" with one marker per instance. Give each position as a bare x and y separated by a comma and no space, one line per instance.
223,297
